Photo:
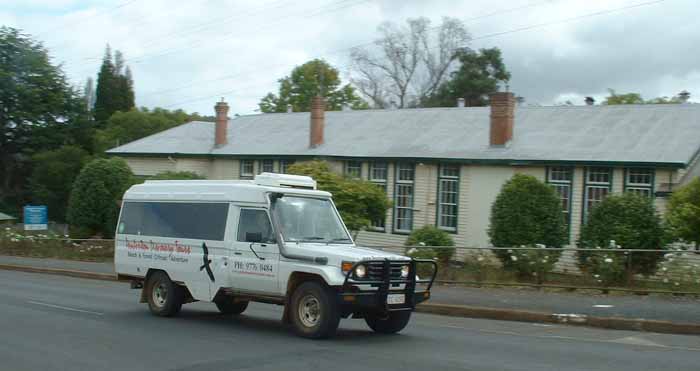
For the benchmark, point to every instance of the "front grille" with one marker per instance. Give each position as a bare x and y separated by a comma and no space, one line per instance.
375,270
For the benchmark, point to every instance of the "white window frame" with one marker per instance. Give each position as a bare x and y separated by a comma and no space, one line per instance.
244,174
442,181
644,189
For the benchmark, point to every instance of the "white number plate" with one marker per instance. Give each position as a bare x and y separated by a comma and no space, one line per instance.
395,299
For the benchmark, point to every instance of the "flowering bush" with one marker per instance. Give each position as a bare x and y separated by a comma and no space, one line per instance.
631,221
679,268
607,267
532,261
432,236
14,242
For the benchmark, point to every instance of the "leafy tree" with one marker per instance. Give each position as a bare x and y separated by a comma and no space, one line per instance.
39,111
432,236
527,212
630,222
683,215
93,207
52,178
125,127
114,87
306,81
636,98
479,74
358,201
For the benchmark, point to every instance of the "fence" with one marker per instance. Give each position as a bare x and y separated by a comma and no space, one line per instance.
675,271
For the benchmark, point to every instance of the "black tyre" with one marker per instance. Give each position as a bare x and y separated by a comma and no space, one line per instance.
227,305
314,311
165,298
391,323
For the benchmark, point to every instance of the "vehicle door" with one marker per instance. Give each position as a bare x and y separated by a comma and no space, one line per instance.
255,254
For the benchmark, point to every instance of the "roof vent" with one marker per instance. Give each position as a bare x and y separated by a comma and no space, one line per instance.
285,180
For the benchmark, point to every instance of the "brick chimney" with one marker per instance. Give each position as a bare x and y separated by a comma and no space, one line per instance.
502,113
317,122
221,109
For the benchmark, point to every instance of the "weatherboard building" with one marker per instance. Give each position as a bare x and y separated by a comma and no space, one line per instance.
445,166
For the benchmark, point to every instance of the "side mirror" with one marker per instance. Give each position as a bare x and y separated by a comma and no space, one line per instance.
253,237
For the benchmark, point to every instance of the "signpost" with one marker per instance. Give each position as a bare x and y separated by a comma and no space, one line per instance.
36,218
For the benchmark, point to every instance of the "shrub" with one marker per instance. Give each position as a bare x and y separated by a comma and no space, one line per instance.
680,269
177,175
358,201
627,221
94,201
683,216
527,212
432,236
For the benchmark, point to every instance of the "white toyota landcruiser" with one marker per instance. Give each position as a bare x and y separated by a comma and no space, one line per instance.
274,239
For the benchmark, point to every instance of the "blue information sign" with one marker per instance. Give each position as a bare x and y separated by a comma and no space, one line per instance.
36,218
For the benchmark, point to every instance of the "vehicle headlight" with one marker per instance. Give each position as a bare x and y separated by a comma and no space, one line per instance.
404,271
360,271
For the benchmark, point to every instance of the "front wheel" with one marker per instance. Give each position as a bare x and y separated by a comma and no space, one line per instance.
314,312
390,323
165,298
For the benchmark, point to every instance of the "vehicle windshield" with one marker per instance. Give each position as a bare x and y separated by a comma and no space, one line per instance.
303,219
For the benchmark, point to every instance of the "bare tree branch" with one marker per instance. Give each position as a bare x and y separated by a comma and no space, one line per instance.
409,63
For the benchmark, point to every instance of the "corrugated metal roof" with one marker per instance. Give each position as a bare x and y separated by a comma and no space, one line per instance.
625,133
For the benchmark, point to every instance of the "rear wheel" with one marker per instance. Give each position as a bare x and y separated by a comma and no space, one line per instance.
165,298
227,305
314,312
390,323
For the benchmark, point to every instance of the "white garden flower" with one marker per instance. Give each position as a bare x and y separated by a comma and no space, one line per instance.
541,246
514,258
664,269
596,275
665,280
481,258
608,260
612,244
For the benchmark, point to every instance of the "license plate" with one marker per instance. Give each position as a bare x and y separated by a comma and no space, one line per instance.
396,299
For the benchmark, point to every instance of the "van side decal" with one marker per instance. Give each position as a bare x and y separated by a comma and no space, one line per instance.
207,262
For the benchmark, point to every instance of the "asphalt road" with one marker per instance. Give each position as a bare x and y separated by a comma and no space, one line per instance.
60,323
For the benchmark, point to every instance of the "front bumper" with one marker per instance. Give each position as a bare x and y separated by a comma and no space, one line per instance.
352,297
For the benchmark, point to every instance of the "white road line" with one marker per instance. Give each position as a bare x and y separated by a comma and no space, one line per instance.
65,308
603,306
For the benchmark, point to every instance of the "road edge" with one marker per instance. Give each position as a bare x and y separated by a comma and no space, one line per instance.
615,323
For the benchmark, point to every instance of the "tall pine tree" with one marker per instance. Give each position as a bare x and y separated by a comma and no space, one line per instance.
115,90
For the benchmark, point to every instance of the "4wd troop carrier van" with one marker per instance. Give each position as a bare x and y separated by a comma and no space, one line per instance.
274,239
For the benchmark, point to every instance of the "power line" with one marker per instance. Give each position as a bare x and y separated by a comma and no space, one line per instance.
98,14
491,35
336,51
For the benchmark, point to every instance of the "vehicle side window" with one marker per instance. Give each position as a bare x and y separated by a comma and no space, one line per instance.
255,221
200,221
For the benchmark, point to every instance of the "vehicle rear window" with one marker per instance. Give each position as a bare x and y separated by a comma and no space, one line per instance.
200,221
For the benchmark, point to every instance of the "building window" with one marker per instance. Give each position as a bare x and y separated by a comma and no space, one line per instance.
639,181
247,169
403,197
598,184
378,172
561,179
284,165
353,169
448,197
267,166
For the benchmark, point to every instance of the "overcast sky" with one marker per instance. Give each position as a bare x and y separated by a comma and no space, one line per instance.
188,54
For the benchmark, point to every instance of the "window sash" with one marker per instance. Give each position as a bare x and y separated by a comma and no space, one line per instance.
379,224
267,166
247,168
403,207
560,174
448,197
353,169
405,172
599,175
284,165
378,171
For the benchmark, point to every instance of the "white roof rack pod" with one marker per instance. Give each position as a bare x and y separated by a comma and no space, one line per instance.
285,180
